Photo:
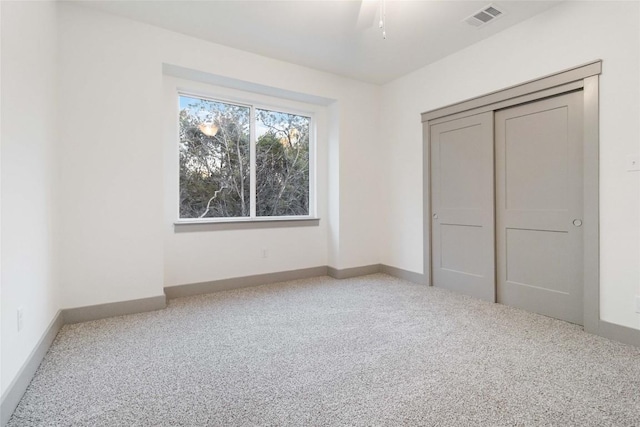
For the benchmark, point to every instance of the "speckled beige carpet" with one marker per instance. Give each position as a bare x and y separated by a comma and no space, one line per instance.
321,352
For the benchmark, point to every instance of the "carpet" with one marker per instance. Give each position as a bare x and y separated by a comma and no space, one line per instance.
373,350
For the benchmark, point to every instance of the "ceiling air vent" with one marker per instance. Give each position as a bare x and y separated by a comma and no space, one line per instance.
484,16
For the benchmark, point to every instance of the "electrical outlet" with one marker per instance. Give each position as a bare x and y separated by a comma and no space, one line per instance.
20,318
637,303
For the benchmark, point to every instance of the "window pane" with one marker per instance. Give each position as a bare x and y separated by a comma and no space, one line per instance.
282,164
214,159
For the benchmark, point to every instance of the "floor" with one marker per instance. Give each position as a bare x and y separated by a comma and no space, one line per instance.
372,350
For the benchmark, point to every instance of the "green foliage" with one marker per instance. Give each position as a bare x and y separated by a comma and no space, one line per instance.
282,165
214,168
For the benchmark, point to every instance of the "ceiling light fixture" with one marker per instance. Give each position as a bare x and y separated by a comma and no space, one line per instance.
383,18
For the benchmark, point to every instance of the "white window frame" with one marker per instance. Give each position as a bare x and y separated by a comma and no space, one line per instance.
311,218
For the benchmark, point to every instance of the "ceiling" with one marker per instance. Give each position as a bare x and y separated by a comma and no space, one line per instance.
338,36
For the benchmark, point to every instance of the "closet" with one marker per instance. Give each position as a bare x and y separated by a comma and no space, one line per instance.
510,215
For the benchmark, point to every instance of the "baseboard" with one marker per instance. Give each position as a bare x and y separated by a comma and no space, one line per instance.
407,275
242,282
121,308
191,289
605,329
347,273
619,333
18,386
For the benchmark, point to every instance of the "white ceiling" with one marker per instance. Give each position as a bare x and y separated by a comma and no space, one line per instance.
338,36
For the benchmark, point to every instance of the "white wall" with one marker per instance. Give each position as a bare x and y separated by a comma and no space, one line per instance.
192,257
28,123
570,34
114,238
118,241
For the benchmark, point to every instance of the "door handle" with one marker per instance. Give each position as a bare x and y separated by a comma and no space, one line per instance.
577,222
435,216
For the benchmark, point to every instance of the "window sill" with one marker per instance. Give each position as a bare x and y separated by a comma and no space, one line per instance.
188,226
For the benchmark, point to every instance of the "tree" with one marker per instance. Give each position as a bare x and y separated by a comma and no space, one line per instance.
214,161
282,164
214,168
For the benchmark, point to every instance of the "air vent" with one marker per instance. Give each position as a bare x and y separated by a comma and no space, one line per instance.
484,16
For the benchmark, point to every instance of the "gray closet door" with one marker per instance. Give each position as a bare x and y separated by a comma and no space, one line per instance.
539,187
462,205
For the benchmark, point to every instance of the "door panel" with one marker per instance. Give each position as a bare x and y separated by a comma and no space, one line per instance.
460,155
462,203
536,161
459,249
529,250
538,196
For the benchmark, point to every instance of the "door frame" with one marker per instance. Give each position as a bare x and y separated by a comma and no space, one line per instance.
584,77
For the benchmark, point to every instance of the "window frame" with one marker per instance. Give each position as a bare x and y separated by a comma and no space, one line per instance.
259,221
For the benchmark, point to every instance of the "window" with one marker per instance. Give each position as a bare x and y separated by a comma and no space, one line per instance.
241,161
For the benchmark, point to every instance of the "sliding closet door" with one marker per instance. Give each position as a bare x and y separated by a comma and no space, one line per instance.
539,187
462,205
